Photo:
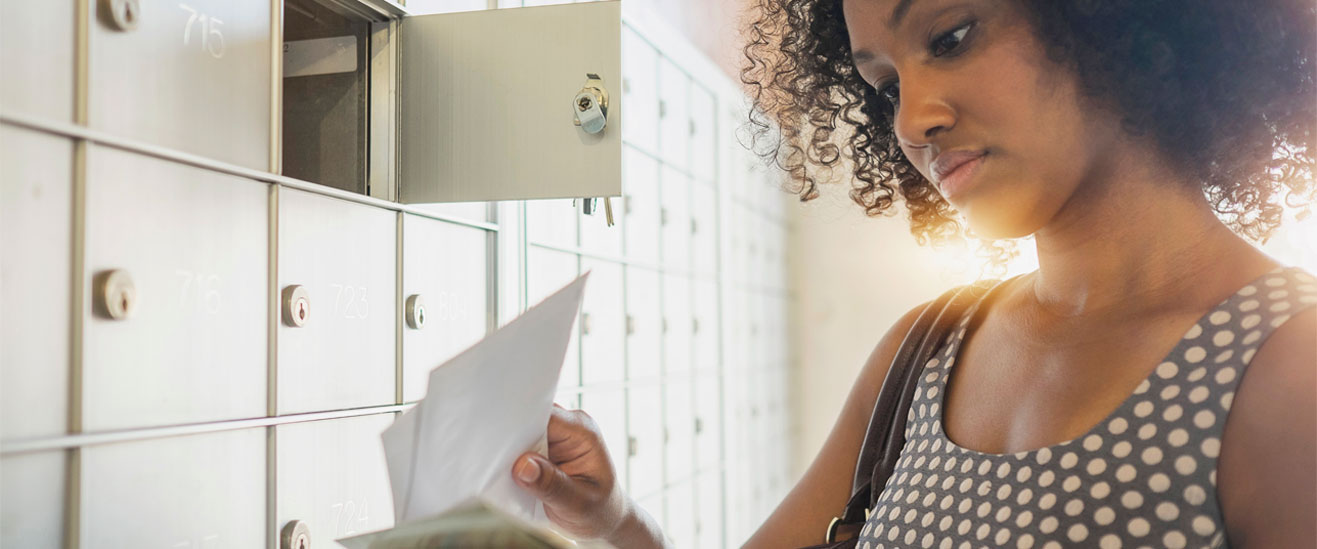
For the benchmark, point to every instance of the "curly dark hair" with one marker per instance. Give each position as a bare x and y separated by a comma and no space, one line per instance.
1224,88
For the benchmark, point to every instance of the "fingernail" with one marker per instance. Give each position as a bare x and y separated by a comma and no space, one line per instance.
529,471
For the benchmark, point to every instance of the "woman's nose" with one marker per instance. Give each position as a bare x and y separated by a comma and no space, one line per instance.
923,113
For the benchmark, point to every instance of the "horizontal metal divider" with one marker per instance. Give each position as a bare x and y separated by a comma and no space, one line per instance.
75,131
83,440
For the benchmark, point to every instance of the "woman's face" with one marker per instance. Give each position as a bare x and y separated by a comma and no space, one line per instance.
970,82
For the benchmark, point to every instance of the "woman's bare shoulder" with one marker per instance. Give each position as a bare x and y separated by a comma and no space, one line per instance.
1267,484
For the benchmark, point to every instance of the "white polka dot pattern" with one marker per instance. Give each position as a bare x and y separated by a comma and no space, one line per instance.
1144,476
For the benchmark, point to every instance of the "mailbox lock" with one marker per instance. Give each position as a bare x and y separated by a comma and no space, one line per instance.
120,15
296,306
415,312
590,106
116,296
296,535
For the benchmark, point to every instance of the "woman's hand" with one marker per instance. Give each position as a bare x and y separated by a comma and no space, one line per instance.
578,485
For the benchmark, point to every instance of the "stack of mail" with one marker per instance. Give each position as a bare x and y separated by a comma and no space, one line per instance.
451,455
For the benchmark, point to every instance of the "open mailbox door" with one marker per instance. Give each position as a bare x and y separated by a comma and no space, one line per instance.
511,104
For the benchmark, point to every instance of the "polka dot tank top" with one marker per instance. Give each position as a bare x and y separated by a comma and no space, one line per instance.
1145,476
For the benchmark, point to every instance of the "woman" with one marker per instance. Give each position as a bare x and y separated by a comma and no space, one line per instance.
1101,400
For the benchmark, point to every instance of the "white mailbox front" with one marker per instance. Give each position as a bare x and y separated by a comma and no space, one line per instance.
512,104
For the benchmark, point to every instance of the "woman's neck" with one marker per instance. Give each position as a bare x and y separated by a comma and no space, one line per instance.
1140,237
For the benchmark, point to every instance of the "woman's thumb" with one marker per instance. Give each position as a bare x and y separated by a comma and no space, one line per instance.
541,478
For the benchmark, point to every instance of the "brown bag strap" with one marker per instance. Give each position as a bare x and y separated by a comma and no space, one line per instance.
886,433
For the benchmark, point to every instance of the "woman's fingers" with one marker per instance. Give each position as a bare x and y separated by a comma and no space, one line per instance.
546,481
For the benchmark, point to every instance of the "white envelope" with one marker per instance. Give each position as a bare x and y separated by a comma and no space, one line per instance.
483,409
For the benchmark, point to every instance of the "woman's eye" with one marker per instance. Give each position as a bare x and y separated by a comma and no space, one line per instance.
948,42
891,93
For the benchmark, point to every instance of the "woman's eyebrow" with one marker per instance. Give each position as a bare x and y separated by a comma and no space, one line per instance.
898,13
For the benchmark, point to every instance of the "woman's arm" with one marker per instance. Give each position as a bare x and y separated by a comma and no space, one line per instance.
802,517
1267,472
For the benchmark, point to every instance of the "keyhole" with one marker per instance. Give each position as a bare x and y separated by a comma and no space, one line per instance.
301,543
420,315
301,310
124,301
584,104
128,14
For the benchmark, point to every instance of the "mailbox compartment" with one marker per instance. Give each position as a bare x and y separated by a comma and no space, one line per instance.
548,271
708,422
205,491
32,489
486,118
640,86
35,199
640,205
552,222
36,59
342,254
193,76
704,333
675,218
608,409
603,326
680,503
679,429
332,476
645,421
678,324
704,230
675,127
708,510
704,137
194,348
445,267
644,361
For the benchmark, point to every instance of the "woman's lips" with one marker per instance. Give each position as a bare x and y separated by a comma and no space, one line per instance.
959,178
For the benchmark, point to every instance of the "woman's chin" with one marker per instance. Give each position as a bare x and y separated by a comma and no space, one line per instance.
996,224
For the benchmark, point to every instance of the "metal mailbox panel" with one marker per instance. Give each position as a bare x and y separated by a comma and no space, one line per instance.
36,58
704,233
674,114
709,509
604,326
679,429
332,476
35,236
551,222
201,491
645,419
32,492
343,255
193,76
608,409
444,264
678,324
708,422
546,272
675,219
643,343
195,348
640,87
488,118
704,122
640,205
704,336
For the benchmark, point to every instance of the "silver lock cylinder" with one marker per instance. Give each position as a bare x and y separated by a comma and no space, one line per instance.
590,106
296,306
295,535
120,15
115,294
415,312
